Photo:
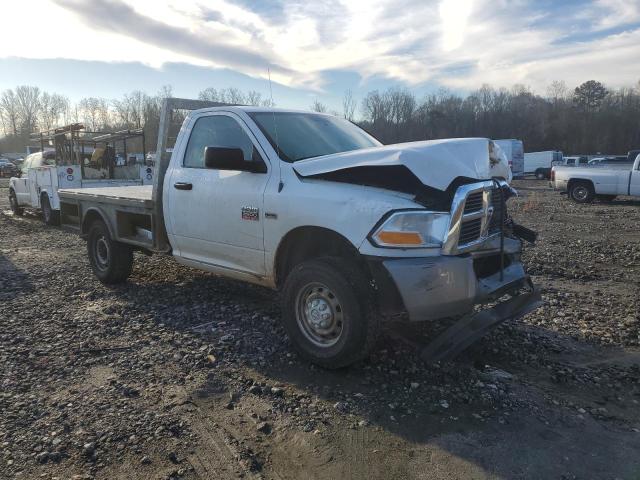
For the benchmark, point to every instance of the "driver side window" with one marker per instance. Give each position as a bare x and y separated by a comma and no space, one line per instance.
217,131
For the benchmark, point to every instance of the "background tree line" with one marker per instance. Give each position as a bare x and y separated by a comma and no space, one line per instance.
26,110
588,119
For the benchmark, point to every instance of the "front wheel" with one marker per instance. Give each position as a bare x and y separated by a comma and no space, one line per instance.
540,175
329,312
13,201
111,261
581,192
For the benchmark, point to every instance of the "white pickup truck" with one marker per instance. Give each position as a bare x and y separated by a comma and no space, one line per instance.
349,231
584,184
43,173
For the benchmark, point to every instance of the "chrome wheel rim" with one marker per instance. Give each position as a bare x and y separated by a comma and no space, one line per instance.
102,253
319,315
580,193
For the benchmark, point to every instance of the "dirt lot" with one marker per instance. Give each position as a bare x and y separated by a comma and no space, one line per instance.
101,382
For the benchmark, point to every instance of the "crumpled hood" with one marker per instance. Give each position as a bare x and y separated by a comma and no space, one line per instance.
436,163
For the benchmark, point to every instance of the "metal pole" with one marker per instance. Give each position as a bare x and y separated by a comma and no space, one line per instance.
144,150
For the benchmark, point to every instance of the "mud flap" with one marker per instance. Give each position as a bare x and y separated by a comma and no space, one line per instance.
471,328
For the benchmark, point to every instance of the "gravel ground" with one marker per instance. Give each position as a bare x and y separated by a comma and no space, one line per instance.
180,374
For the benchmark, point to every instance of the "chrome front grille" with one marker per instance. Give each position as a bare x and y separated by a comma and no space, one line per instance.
499,206
470,231
473,202
475,216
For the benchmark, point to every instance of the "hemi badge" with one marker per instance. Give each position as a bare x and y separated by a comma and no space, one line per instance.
250,213
270,215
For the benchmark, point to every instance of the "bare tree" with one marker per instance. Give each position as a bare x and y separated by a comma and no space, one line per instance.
348,105
122,112
9,112
94,112
52,109
210,94
253,98
28,106
318,106
557,91
232,95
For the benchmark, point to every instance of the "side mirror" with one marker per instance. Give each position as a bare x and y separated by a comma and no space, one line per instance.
222,158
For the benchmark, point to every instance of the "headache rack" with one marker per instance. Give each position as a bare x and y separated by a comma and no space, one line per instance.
477,214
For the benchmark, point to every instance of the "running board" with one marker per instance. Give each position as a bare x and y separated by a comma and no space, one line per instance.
471,328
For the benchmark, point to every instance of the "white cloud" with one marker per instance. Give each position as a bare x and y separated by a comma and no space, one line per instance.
410,41
454,15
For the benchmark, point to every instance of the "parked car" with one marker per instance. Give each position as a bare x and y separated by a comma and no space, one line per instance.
350,231
7,168
584,184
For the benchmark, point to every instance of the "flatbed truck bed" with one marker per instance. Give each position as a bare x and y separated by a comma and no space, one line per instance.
129,210
138,195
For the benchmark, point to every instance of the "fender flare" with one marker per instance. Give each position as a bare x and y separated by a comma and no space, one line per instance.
94,213
573,180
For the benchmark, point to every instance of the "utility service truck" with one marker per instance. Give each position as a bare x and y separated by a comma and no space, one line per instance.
76,158
584,184
348,230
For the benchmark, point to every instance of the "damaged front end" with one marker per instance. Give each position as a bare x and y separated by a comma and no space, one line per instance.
479,257
479,263
457,249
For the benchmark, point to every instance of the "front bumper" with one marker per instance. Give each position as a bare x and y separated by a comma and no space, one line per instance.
432,288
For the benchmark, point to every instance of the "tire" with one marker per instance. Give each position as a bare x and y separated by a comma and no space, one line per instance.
540,175
581,192
342,291
13,201
606,198
111,261
49,215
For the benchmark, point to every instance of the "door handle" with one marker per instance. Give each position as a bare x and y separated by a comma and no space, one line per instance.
183,186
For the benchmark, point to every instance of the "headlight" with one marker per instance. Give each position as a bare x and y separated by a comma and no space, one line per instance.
411,229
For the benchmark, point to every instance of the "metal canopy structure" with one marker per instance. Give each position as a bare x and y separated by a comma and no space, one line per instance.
67,142
119,136
70,141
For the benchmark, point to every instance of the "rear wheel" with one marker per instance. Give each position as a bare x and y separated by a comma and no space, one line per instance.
13,201
111,261
49,215
581,192
329,312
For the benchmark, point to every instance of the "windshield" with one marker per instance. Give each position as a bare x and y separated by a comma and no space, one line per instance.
307,135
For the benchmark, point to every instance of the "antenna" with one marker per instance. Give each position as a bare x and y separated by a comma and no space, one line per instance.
275,126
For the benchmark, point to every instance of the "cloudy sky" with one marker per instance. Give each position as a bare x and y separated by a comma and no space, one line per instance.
315,49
